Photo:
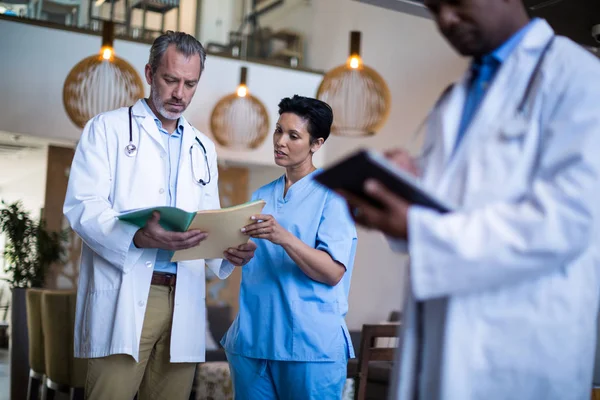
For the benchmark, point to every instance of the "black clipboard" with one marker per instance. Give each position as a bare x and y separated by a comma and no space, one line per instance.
351,173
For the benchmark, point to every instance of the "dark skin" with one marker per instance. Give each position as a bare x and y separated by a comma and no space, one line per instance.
474,28
477,27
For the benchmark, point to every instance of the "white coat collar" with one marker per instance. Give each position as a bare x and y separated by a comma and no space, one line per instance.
530,47
537,37
149,125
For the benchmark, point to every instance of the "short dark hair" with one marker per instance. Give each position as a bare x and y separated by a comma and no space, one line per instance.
317,113
184,43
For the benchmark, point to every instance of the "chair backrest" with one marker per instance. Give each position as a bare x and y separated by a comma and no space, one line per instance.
33,303
369,352
58,321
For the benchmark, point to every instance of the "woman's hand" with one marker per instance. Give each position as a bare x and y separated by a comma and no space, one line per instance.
241,255
316,264
267,227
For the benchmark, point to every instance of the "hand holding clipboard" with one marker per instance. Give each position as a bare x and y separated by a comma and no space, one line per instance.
351,173
379,208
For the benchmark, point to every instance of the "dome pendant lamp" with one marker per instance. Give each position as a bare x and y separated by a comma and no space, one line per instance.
239,120
100,83
358,95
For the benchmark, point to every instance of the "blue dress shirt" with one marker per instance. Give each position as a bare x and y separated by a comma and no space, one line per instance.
172,145
483,71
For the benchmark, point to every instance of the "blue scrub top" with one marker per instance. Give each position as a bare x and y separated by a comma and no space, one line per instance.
285,315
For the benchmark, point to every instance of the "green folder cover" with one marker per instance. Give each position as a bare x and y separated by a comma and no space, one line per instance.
171,218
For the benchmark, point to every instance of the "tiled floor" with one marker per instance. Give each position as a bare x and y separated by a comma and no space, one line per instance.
4,378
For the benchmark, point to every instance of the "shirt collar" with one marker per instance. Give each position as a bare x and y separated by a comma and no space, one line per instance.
179,129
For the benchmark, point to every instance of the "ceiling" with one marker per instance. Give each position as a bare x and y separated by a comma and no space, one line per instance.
414,7
571,18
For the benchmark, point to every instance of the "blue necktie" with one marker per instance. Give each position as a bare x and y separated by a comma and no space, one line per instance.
482,72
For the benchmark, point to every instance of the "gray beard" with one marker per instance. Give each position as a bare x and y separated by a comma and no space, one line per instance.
160,106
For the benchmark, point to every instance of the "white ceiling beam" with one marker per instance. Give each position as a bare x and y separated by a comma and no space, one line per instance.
406,6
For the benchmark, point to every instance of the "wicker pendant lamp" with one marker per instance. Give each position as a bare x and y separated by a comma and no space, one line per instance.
101,82
239,120
358,95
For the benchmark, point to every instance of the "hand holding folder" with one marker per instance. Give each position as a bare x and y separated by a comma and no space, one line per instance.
222,226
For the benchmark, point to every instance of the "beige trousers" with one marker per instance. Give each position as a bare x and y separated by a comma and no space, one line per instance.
119,377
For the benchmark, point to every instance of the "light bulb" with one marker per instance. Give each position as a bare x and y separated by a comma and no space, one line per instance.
354,62
242,91
107,53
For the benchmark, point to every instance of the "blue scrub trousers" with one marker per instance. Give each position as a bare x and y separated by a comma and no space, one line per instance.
255,378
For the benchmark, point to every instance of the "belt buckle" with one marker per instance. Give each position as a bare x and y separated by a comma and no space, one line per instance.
164,279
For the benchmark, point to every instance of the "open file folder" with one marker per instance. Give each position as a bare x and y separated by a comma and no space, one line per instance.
222,225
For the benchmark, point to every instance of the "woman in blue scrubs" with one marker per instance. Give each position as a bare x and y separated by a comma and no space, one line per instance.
289,339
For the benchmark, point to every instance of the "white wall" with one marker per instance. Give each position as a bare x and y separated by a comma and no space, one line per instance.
261,175
417,64
23,177
31,101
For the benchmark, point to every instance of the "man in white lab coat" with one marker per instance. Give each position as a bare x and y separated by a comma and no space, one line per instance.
140,318
504,289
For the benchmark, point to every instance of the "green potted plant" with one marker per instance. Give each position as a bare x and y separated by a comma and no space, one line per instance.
30,250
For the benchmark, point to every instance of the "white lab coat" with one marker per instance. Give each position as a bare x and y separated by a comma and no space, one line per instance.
114,277
510,283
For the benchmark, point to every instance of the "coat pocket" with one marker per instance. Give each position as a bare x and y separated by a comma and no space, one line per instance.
102,311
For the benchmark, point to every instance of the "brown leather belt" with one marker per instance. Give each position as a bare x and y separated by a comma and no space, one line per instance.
163,279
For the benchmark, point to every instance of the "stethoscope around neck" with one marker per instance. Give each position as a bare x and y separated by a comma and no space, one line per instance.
515,124
131,151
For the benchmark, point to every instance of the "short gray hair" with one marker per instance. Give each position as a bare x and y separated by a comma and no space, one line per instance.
184,43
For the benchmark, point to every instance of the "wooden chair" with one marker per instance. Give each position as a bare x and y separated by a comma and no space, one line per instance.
37,362
64,372
369,352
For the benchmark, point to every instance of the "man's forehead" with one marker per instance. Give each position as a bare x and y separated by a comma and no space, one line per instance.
172,55
178,63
